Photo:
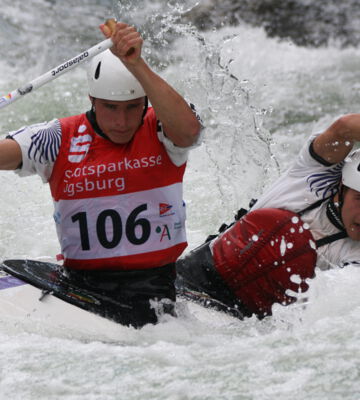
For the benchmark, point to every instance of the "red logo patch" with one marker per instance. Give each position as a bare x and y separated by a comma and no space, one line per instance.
165,210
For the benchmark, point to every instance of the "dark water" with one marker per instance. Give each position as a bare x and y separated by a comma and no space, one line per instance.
304,22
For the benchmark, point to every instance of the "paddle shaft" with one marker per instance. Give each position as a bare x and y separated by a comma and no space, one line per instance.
60,69
55,72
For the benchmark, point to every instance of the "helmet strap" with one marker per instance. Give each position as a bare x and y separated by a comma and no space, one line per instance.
93,108
341,195
341,192
146,106
91,116
334,210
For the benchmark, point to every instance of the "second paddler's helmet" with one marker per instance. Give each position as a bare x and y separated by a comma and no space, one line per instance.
351,171
109,79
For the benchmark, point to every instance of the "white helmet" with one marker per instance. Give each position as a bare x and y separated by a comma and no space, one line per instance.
109,79
351,171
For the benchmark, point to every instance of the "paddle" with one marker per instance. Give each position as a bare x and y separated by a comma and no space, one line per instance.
59,70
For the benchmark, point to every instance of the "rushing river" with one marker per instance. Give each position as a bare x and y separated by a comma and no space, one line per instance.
259,98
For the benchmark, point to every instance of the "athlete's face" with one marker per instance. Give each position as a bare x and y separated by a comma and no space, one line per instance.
119,120
351,213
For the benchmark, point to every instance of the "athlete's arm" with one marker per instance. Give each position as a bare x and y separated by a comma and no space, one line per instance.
10,154
178,120
337,141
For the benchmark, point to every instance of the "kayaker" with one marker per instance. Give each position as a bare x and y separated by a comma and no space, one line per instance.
115,174
309,217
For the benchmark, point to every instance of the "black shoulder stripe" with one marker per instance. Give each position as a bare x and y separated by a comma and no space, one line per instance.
316,157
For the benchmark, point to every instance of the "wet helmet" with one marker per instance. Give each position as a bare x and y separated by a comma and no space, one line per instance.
351,171
109,79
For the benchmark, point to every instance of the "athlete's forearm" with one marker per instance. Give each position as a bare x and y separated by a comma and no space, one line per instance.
179,122
337,141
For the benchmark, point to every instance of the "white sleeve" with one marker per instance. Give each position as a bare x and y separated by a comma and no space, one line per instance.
40,146
179,155
304,183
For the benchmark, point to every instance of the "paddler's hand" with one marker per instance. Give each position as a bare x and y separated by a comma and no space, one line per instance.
127,41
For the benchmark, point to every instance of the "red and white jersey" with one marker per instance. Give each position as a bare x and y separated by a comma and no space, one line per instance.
116,206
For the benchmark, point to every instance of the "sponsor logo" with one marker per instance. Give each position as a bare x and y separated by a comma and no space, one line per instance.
70,63
104,176
164,232
92,185
165,210
79,146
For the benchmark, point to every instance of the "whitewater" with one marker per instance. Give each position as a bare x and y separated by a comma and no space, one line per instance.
259,98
